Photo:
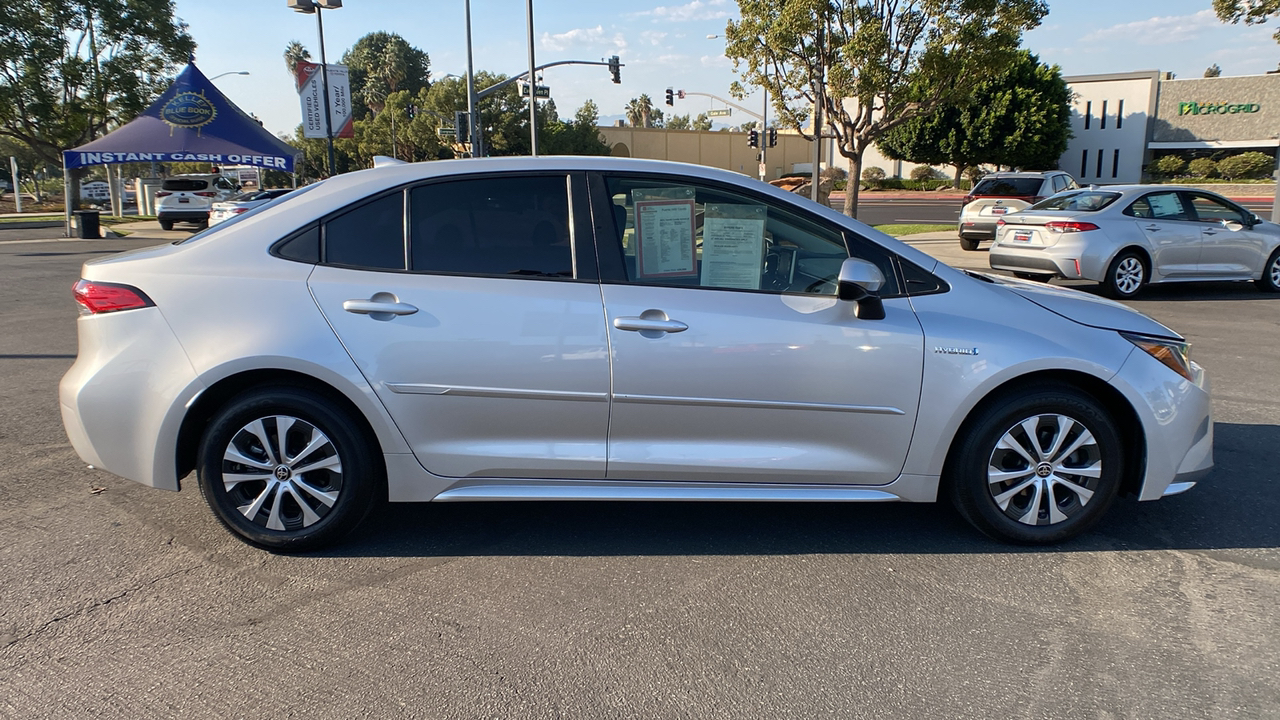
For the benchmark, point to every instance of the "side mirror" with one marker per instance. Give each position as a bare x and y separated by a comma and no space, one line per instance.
859,282
1234,225
1257,219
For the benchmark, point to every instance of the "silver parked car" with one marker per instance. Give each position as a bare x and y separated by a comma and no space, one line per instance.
1127,236
610,329
243,203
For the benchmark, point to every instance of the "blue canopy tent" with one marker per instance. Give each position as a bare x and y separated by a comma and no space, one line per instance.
189,122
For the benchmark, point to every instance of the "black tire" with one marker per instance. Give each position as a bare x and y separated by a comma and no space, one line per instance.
203,224
1060,512
292,512
1270,280
968,244
1034,277
1126,276
166,224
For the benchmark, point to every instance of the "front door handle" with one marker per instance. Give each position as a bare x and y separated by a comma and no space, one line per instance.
1152,228
382,306
651,323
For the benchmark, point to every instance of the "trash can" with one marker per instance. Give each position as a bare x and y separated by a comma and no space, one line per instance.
87,222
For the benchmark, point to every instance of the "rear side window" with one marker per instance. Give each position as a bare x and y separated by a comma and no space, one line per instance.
370,236
500,226
1158,206
1084,201
1009,187
183,184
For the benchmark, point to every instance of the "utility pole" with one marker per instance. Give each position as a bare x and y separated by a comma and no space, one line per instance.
472,136
764,133
317,7
817,119
533,86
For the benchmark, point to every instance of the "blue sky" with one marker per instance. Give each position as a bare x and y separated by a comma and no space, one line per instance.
664,44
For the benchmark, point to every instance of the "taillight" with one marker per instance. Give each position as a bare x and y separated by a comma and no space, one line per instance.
1001,223
1066,227
966,199
163,193
100,297
237,211
207,194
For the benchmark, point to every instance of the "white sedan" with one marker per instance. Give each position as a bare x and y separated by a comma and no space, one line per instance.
243,203
571,328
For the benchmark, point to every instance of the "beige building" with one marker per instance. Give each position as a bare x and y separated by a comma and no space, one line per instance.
722,149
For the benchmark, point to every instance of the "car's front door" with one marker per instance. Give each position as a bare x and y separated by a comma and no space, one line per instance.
733,360
485,338
1170,229
1230,247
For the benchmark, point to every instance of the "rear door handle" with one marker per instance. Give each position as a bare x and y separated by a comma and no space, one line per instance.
651,323
1151,228
382,306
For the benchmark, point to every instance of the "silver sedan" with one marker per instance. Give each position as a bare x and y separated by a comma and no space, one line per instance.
610,329
1125,237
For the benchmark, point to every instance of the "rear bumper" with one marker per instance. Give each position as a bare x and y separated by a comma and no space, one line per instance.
977,229
183,215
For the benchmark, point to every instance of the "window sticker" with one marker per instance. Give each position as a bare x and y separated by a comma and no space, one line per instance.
733,245
1165,205
665,226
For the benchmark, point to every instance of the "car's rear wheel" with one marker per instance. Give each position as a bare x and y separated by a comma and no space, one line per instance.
1037,467
1270,280
968,244
166,224
285,470
1035,277
1125,276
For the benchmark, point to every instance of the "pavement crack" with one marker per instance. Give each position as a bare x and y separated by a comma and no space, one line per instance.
92,606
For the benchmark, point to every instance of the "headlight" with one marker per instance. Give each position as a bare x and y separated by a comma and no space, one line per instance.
1173,354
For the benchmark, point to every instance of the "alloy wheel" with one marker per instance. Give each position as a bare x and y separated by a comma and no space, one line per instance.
282,473
1044,469
1274,271
1129,275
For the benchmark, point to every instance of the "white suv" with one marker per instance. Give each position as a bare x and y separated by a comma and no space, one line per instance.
188,198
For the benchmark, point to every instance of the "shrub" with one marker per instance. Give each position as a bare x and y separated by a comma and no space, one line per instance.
833,174
1245,165
1169,165
1203,168
922,172
873,173
973,174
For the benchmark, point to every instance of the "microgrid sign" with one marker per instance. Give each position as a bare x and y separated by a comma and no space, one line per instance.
1211,108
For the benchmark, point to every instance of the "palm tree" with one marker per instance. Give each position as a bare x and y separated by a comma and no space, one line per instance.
640,112
295,53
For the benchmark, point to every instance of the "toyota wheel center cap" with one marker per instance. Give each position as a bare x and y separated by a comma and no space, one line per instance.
1044,470
283,472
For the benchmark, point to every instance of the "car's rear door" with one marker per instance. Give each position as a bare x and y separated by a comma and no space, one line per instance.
733,359
1173,234
473,309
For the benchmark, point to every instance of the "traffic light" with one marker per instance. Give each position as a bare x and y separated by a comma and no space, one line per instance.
615,67
462,126
410,111
671,97
773,137
753,139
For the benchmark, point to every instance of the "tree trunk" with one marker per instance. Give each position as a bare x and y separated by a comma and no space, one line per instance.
853,185
959,172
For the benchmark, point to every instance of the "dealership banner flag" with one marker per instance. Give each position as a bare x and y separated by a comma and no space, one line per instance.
308,79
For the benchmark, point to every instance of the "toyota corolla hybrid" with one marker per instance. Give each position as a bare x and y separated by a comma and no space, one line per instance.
610,329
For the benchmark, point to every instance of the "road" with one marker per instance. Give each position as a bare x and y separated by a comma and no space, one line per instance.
120,601
941,208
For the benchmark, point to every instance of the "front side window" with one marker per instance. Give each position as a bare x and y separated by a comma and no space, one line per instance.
679,233
1213,210
500,226
1158,206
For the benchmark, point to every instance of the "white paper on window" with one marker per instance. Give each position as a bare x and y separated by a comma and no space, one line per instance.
664,226
733,245
1165,205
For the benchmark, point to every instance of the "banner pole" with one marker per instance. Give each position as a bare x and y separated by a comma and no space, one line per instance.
66,194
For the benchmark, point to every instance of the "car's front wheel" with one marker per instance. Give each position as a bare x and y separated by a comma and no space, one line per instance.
286,470
1125,276
1037,467
1270,280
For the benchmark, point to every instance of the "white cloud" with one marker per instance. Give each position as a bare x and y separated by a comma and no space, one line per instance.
694,10
582,37
716,61
1167,30
652,37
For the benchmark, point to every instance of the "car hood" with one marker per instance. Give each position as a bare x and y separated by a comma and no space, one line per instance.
1082,307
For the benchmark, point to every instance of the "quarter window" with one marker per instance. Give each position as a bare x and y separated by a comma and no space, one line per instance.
370,236
673,233
507,227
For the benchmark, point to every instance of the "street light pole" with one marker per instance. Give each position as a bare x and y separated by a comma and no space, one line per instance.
324,89
232,72
533,86
471,93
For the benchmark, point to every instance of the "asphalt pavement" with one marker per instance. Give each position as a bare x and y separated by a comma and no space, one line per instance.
121,601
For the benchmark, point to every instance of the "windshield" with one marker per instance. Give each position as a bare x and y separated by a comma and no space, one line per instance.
1009,187
215,229
1083,201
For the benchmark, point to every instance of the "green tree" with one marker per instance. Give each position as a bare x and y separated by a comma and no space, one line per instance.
870,65
641,112
1213,71
295,52
372,63
1252,12
1250,165
70,71
580,136
1169,165
679,122
702,123
1021,118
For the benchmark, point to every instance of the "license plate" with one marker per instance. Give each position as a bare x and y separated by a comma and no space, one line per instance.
999,210
183,200
1022,236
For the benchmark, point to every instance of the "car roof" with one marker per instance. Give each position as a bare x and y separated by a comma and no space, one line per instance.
1022,174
